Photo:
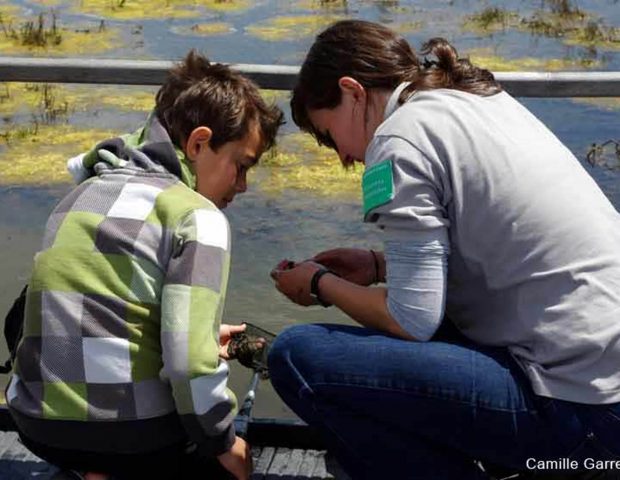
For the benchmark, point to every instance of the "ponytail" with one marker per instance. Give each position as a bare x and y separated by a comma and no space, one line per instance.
448,70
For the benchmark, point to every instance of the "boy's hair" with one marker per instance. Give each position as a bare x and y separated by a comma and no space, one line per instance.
200,93
378,58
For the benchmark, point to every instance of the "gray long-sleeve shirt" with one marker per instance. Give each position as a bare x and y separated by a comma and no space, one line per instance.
534,244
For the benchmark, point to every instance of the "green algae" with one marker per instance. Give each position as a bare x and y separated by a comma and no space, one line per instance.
205,29
126,99
602,103
490,20
574,27
300,164
44,35
330,6
595,35
404,28
46,101
39,156
487,59
136,10
22,97
275,96
561,20
42,99
291,27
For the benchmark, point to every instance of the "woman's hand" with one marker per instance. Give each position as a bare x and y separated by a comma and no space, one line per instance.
238,460
226,332
294,282
353,264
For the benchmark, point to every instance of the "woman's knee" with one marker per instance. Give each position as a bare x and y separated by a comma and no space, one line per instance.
287,347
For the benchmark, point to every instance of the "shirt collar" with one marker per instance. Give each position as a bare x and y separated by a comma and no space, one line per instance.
392,103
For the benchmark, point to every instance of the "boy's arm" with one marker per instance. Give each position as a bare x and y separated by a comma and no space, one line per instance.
192,302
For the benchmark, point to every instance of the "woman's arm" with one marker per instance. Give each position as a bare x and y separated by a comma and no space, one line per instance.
365,305
410,307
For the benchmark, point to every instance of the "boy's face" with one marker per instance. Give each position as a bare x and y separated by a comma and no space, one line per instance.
221,174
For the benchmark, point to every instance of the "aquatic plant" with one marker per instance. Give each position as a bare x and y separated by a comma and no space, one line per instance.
32,33
595,35
53,101
331,6
564,8
299,163
555,23
603,103
290,27
488,59
491,19
606,154
40,99
44,36
134,9
406,27
36,154
205,29
275,96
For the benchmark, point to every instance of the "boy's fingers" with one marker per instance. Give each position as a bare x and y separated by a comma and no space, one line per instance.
237,328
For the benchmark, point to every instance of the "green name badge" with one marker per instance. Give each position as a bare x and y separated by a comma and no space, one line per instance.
377,185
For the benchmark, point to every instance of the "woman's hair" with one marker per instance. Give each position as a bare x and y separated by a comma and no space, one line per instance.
378,58
197,92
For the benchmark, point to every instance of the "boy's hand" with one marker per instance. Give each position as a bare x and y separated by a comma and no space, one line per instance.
237,460
353,264
226,331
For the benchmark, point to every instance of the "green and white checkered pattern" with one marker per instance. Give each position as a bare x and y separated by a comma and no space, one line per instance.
126,297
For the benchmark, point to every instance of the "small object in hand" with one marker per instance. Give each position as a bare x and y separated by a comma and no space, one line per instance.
286,265
251,348
282,266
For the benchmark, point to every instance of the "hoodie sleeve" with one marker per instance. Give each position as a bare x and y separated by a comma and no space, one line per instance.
192,303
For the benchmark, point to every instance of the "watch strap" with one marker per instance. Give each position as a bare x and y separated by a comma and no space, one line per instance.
314,286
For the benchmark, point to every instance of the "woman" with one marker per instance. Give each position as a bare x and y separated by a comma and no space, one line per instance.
488,221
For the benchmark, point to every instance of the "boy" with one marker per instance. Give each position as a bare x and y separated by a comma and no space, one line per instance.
118,370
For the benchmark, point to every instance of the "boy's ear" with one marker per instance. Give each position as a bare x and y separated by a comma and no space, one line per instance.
197,141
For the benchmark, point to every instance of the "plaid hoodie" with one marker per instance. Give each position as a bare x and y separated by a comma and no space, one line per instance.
125,301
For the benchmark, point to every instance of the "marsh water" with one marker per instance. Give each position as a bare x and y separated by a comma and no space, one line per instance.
299,203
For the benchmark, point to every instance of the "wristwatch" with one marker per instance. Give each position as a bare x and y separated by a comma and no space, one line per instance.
314,286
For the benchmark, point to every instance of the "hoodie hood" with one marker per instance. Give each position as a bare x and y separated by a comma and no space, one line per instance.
147,150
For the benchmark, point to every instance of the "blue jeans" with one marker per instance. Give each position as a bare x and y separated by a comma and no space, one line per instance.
390,408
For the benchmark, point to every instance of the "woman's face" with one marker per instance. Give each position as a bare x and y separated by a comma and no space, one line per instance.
343,128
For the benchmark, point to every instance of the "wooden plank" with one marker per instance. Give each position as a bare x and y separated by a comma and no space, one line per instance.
7,444
320,468
313,466
262,461
286,464
281,77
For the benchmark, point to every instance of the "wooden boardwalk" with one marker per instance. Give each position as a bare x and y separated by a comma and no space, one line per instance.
270,463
